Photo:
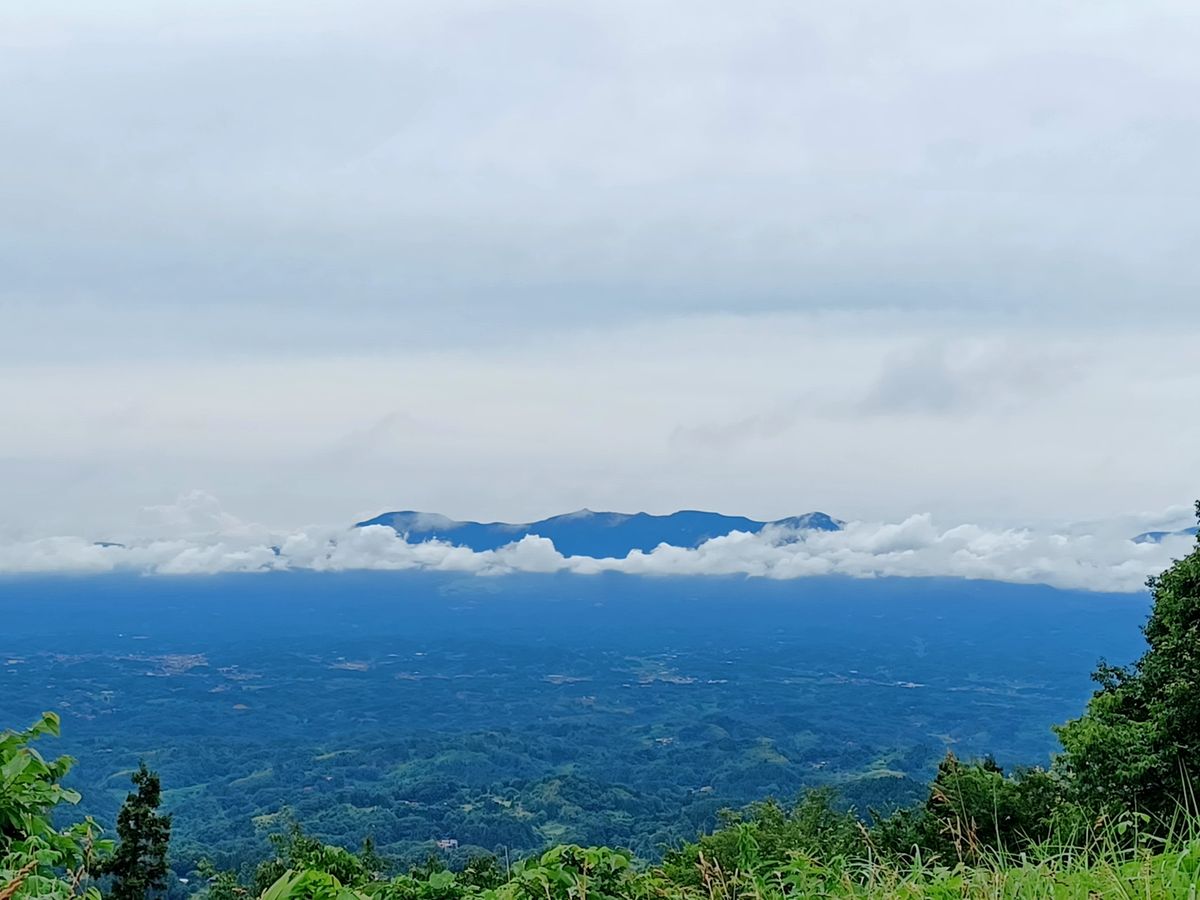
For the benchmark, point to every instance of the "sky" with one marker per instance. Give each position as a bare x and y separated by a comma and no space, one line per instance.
314,261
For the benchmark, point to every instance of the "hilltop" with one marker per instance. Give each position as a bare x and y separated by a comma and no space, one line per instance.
595,534
1157,537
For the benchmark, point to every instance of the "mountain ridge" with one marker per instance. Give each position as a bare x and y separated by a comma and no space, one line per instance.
588,533
1156,537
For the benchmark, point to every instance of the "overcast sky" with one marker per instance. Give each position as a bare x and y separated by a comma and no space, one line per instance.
502,260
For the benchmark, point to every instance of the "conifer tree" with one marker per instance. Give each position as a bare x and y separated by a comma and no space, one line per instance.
139,864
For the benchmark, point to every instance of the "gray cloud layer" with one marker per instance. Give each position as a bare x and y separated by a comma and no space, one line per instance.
508,258
762,417
176,176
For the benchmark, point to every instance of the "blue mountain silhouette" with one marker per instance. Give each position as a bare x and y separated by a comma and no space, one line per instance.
1156,537
587,533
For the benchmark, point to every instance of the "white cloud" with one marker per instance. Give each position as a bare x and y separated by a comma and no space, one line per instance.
914,547
195,514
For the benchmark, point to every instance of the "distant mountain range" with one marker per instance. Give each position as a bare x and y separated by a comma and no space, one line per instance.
595,534
1156,537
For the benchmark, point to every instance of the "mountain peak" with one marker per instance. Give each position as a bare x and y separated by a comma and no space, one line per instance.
1157,537
589,533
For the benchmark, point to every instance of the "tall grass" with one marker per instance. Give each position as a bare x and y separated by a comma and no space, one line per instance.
1119,859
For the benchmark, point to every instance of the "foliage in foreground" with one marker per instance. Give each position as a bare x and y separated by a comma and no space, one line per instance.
36,858
1167,870
1113,817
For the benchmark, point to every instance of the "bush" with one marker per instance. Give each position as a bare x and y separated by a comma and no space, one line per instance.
36,858
1137,745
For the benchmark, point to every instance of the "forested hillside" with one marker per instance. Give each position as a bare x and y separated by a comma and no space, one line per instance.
1113,815
522,712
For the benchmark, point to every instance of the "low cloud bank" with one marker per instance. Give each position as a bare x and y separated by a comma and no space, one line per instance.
1097,561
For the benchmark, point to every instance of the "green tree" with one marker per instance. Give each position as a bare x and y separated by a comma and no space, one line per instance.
296,851
482,872
1137,746
38,859
767,832
139,865
974,809
374,865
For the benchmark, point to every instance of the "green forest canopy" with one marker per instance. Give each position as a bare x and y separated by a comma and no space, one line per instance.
1113,813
